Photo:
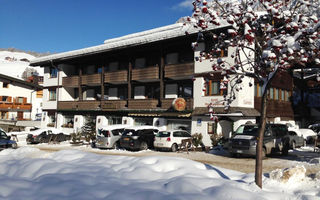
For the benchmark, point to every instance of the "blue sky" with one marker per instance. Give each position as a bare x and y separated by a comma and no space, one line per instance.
64,25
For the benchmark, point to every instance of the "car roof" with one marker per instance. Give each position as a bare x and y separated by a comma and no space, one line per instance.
142,127
115,126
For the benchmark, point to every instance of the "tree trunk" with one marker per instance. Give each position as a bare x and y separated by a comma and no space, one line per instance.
258,172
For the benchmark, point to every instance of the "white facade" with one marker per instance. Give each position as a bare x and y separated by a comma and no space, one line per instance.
23,93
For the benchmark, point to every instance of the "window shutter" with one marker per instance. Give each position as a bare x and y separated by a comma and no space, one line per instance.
24,100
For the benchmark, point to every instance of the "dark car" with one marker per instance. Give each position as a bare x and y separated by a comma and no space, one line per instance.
138,137
244,140
45,136
5,141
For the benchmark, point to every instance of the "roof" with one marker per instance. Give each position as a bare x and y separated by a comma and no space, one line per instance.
144,37
246,112
24,83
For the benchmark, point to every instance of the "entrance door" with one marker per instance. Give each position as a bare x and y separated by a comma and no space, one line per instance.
20,115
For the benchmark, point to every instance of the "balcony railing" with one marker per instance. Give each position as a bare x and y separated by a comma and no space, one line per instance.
150,73
179,70
79,105
167,103
93,79
142,103
116,77
113,104
16,106
72,81
275,108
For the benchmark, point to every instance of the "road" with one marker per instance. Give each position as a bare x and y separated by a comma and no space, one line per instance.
216,157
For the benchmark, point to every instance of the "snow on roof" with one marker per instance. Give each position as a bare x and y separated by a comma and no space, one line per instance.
144,37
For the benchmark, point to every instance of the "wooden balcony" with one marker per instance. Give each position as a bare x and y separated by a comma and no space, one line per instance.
72,81
142,104
145,74
116,77
93,79
22,106
179,71
79,105
15,106
113,104
167,104
275,108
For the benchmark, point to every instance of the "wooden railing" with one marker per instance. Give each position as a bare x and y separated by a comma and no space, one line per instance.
72,81
149,73
93,79
116,77
179,70
113,104
142,103
79,105
275,107
16,106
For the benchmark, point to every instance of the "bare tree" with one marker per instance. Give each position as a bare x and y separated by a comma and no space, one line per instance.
268,36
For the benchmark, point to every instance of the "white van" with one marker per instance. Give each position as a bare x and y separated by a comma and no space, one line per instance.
108,136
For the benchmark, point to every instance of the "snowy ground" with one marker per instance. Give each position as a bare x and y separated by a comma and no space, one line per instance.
73,173
29,173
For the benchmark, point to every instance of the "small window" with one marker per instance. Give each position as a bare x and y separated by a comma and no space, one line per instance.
5,85
140,63
52,95
214,88
53,72
19,100
282,95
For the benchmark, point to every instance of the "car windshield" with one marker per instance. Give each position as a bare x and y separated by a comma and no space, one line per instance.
247,130
3,135
163,134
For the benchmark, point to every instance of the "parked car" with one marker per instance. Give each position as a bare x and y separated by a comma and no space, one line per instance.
6,142
296,140
244,140
138,137
109,136
308,134
44,135
170,140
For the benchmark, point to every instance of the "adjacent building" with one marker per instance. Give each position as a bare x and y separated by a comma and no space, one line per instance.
153,78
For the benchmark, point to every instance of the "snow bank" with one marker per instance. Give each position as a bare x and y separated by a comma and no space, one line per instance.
28,173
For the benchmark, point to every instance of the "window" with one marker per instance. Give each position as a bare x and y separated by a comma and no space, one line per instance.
185,90
214,88
282,95
271,94
172,58
257,90
5,98
19,99
123,93
53,72
52,95
5,85
39,93
140,63
152,92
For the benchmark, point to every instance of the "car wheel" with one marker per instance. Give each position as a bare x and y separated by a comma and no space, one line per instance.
116,145
14,145
285,150
174,147
143,146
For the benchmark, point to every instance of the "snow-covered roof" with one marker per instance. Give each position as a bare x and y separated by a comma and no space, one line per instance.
144,37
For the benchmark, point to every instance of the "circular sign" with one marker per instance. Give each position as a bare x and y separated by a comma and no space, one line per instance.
179,104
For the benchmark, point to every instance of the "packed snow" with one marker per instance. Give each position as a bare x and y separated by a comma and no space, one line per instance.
29,173
15,63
